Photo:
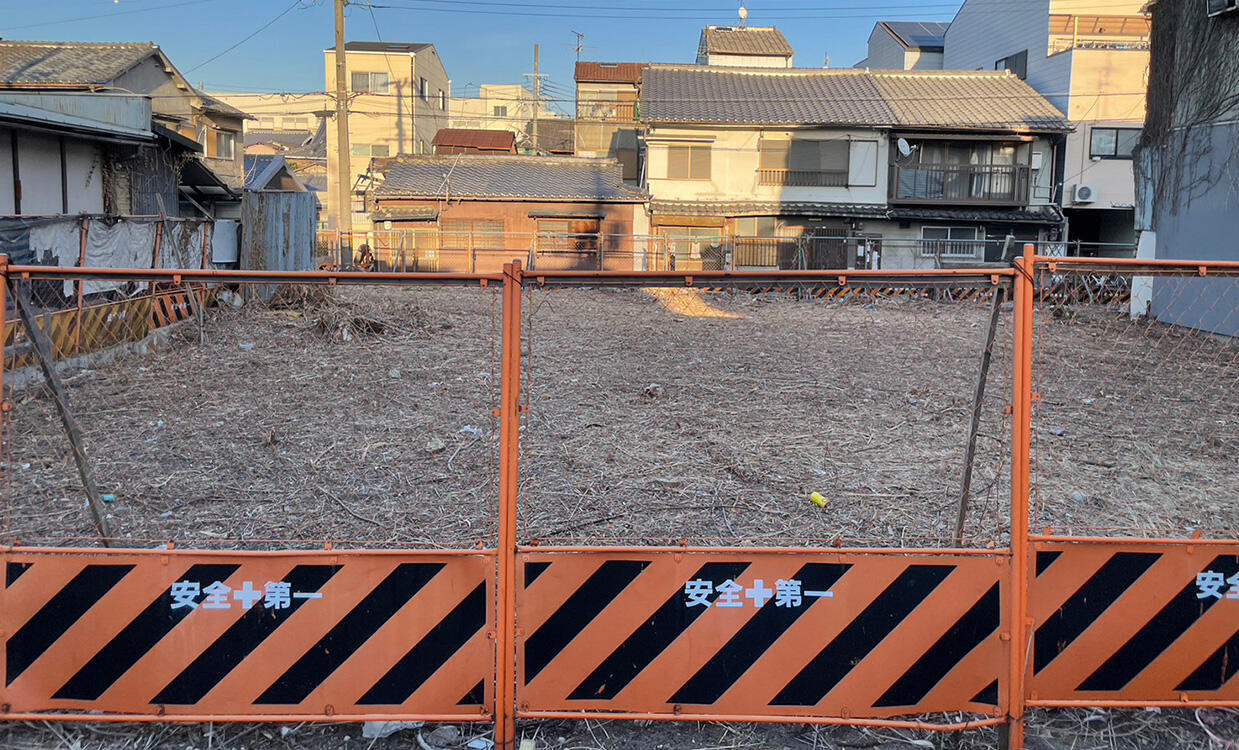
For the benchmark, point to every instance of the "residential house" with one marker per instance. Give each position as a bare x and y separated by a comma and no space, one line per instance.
768,159
905,45
182,118
1187,162
744,46
58,151
475,213
607,123
398,99
510,107
1089,58
468,141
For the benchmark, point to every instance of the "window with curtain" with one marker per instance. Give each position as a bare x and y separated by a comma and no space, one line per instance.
370,83
688,162
809,163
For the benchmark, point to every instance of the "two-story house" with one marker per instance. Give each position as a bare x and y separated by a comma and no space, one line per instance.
398,99
759,158
606,113
1090,58
183,117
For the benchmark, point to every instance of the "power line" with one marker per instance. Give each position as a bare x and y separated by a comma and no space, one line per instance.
248,37
107,15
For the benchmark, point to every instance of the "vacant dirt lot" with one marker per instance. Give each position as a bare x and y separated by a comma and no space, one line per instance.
365,418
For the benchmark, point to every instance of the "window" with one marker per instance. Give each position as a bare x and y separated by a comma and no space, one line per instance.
688,162
568,235
226,145
372,83
1113,143
804,163
423,89
476,234
500,111
950,242
1017,64
295,123
266,123
365,149
442,100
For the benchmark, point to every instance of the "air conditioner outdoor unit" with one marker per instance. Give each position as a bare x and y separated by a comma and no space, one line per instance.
1085,194
1218,7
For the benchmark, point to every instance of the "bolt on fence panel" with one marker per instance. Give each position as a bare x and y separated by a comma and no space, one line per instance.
765,413
1135,429
252,415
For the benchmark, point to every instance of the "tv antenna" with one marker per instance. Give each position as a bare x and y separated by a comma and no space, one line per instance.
580,39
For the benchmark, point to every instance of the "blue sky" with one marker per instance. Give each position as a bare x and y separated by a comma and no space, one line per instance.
482,41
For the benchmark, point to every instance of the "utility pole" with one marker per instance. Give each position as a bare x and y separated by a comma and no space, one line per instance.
344,168
537,100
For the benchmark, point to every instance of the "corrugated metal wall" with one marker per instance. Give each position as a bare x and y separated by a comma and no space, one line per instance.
277,231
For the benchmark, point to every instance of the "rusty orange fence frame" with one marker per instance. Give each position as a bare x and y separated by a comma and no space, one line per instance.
1018,625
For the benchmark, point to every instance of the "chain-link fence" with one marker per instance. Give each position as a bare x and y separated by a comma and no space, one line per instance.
659,413
253,415
1135,428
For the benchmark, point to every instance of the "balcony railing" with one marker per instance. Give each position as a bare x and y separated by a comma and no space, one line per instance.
961,184
803,177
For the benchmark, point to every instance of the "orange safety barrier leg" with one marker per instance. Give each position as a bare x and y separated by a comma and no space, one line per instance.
509,445
1021,443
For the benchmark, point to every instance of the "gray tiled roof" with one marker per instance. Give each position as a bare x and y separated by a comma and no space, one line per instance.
506,177
769,208
218,106
80,63
744,40
948,100
1049,215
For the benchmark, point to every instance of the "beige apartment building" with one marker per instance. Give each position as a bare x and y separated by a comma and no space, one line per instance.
398,99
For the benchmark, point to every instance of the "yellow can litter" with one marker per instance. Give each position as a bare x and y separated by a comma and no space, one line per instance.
818,499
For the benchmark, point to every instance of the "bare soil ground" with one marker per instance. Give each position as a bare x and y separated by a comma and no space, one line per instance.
365,418
644,424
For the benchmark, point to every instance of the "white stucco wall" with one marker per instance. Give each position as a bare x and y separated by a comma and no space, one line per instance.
84,172
38,159
6,172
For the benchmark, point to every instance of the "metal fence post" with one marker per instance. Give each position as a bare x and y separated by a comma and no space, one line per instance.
509,447
1021,442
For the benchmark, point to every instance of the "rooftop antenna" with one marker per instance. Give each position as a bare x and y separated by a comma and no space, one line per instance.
580,38
744,14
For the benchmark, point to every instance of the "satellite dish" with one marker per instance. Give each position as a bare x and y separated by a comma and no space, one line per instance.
744,13
905,150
